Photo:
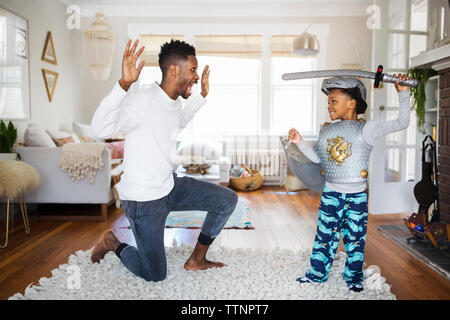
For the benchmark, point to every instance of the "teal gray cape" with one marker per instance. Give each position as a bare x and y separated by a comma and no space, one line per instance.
309,173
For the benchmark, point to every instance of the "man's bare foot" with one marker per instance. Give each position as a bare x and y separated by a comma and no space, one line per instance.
194,265
198,261
108,242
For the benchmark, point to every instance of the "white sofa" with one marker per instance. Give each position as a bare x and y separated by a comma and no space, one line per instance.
57,187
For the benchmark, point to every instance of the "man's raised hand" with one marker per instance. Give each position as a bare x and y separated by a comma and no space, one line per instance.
130,73
205,82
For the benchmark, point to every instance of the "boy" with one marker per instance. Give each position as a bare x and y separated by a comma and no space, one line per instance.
344,149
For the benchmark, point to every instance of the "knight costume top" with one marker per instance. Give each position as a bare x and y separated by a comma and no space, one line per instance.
343,152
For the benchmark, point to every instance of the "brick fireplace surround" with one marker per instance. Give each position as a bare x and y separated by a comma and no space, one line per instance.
439,60
444,144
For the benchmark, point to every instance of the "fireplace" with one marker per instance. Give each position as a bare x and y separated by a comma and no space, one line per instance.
444,144
439,60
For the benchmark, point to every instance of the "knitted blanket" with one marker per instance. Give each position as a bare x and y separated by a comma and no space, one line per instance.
81,160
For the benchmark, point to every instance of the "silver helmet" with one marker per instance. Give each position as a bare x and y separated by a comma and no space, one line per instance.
344,83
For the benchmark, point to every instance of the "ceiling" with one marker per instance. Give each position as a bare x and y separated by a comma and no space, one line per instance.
209,2
224,8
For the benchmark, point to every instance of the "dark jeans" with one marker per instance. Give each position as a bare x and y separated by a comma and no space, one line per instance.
147,221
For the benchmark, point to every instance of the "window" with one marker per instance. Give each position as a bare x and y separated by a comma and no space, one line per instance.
234,96
233,99
2,39
149,75
14,97
397,14
153,42
397,49
407,38
419,15
292,101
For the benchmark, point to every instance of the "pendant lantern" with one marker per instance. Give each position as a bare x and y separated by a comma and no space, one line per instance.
100,43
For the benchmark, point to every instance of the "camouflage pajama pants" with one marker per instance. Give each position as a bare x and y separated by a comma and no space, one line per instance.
346,213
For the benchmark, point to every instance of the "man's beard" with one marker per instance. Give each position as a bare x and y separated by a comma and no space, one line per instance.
188,91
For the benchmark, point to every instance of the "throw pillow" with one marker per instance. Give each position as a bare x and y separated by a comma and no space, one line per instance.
35,136
62,135
85,139
83,130
116,149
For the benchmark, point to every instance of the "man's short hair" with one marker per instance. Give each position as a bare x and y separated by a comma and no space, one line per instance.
172,52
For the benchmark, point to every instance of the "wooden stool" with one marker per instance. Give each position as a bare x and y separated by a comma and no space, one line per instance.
17,178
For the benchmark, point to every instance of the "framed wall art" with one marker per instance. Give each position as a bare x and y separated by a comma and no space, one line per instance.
49,54
50,78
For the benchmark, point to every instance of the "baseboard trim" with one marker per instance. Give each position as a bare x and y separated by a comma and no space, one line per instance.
98,218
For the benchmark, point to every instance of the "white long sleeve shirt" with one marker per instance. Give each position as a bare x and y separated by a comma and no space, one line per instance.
373,129
151,121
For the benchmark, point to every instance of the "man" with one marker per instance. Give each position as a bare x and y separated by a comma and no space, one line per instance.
149,190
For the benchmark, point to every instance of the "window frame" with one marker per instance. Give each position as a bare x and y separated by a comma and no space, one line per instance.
288,84
404,147
321,29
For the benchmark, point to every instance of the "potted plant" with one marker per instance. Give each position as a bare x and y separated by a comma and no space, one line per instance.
418,93
8,135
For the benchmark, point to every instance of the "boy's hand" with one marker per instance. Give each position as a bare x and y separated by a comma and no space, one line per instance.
129,71
397,85
294,136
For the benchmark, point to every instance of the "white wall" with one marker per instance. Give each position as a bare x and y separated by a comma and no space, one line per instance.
44,16
347,41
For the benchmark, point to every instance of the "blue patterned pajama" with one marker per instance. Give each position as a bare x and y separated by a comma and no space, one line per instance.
346,213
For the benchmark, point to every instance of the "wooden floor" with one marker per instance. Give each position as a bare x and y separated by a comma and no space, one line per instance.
284,220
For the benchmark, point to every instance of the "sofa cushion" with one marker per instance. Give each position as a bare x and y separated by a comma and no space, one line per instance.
84,133
58,135
35,136
83,130
116,149
62,141
84,139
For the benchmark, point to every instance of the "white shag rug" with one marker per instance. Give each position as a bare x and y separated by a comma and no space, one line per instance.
249,274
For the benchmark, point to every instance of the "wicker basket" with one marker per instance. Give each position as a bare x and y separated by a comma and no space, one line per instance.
248,183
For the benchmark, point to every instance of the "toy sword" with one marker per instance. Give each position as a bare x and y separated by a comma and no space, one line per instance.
377,76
